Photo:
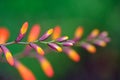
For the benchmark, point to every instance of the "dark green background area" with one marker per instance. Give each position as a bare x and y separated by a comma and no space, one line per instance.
69,14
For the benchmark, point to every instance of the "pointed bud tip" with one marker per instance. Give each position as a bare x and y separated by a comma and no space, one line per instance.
40,51
50,31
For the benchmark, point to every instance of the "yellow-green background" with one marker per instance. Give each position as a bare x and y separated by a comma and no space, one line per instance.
69,14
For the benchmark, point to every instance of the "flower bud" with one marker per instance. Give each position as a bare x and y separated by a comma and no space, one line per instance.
25,73
34,33
89,47
38,49
62,39
56,33
4,35
46,35
55,47
93,34
46,67
22,32
78,33
67,44
8,55
72,54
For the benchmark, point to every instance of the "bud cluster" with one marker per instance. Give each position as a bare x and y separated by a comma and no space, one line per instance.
57,43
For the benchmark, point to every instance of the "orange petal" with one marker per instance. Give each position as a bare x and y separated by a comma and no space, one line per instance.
34,33
24,28
25,73
4,35
47,68
56,32
78,33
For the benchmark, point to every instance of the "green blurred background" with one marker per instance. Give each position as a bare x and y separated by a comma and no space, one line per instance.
69,14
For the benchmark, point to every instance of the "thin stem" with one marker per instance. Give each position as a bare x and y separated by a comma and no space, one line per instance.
26,43
9,43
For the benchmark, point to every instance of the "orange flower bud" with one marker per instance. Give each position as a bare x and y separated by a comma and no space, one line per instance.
4,35
46,35
34,33
89,47
78,33
72,54
8,55
56,32
93,34
25,73
38,49
46,66
23,31
55,47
